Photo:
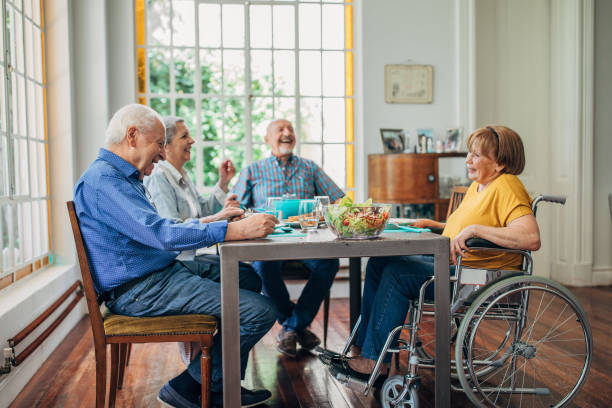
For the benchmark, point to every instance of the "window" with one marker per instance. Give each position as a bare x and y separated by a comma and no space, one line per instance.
229,67
24,196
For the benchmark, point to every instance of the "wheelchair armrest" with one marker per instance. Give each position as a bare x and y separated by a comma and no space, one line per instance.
436,230
482,243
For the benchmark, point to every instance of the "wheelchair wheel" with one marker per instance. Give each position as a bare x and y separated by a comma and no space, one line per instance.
548,329
392,388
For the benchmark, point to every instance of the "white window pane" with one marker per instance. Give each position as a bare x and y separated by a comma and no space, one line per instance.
37,55
333,120
159,70
27,8
212,119
24,235
312,152
21,100
284,72
28,49
4,188
260,151
262,115
14,104
334,163
36,11
42,170
2,101
333,26
183,23
310,26
284,108
44,228
36,247
17,4
261,26
40,118
7,235
237,155
311,125
333,73
33,169
185,108
2,54
210,25
310,73
233,72
233,25
284,27
184,70
22,184
158,22
233,113
211,73
31,103
17,36
261,72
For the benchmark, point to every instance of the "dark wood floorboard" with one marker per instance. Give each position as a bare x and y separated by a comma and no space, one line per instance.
67,379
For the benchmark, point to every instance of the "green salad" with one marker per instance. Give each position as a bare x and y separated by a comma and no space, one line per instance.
351,219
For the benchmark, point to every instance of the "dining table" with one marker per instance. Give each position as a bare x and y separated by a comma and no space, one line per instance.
323,244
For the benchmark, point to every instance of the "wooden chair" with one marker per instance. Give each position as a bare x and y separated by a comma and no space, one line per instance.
121,331
457,194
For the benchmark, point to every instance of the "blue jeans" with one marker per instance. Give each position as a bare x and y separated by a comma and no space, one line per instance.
191,287
391,283
297,316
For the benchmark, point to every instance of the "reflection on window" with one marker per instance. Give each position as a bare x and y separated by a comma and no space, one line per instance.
230,67
24,216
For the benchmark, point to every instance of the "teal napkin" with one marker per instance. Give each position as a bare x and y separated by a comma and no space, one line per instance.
279,233
393,228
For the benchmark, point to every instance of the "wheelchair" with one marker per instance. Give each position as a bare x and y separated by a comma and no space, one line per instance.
508,329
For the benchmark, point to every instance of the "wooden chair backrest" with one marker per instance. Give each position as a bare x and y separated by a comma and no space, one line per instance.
95,315
457,194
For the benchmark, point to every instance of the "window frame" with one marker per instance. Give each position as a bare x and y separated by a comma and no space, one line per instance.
28,75
144,94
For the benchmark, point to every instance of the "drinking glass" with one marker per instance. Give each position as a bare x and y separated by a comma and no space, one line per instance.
307,214
273,205
321,205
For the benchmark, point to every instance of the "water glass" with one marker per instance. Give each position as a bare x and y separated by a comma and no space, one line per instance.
308,215
321,204
273,206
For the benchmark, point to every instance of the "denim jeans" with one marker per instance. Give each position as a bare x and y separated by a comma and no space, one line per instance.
191,287
391,283
297,316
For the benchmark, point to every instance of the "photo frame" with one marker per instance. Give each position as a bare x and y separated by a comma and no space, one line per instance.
392,140
424,141
408,83
454,139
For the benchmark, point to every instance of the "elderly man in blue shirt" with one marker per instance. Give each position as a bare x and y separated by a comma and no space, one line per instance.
132,250
285,173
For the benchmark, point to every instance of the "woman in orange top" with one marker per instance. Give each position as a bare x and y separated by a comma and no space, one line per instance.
496,207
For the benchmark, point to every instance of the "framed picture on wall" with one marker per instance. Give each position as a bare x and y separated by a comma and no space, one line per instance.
392,140
408,83
454,139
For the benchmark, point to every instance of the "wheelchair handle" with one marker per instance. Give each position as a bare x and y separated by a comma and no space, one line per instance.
553,199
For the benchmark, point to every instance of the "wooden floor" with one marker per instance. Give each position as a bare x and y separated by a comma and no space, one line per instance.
67,379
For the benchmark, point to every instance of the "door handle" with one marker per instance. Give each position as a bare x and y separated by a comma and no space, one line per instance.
431,178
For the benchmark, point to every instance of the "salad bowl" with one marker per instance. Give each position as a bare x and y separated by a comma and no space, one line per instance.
357,221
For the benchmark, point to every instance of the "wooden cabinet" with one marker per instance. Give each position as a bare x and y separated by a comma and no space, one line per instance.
407,179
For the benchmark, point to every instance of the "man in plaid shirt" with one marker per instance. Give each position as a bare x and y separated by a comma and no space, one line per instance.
284,173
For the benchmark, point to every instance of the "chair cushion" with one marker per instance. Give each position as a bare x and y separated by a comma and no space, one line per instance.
117,325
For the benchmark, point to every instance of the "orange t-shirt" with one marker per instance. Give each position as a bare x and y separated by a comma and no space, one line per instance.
504,200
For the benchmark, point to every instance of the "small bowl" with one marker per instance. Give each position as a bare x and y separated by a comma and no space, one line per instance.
357,222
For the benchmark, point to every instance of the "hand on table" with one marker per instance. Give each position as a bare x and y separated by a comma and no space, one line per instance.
255,226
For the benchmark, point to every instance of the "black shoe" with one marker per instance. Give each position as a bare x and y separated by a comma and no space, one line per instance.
248,398
287,342
307,339
169,397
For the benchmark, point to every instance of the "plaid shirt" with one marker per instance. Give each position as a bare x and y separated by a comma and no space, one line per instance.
270,178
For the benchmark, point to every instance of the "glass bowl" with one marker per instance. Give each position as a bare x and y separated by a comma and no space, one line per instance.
357,222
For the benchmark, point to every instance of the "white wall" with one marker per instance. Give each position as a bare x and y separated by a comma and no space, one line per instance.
406,32
602,224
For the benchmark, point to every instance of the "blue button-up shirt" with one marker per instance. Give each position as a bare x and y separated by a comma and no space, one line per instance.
270,178
125,238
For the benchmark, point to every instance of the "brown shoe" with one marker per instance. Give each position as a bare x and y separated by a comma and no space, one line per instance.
287,340
307,339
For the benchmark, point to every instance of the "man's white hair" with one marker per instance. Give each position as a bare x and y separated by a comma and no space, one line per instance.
140,116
